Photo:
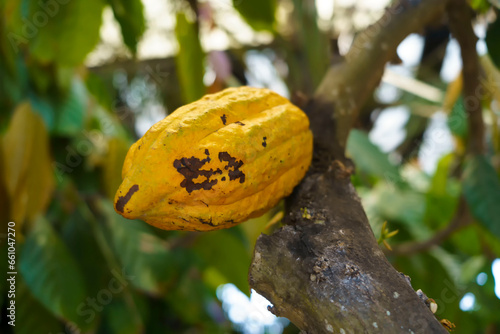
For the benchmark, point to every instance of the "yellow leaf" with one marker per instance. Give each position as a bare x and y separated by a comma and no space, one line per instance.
27,170
391,234
112,169
452,93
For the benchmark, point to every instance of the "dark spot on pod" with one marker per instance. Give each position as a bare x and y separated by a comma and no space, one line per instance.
240,123
207,154
206,222
235,173
139,147
190,168
223,178
123,200
264,142
223,118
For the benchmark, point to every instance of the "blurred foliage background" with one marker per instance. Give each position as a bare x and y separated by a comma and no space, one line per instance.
82,80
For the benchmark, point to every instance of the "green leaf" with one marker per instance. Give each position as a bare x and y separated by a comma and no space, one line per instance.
189,60
52,274
143,255
467,240
223,251
471,268
71,111
188,298
44,108
490,240
20,30
481,6
99,90
78,235
313,42
7,50
442,195
63,78
440,180
405,206
492,38
14,83
120,320
457,119
482,192
369,159
64,31
449,261
130,16
31,316
66,116
41,77
259,14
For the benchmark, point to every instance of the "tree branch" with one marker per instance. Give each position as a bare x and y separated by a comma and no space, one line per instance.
460,24
461,219
325,271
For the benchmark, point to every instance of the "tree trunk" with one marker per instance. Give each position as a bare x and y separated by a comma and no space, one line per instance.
324,269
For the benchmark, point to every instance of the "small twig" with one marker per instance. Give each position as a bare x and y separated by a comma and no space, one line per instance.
460,16
461,219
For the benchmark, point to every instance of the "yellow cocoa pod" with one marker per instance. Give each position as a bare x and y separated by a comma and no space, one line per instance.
216,162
